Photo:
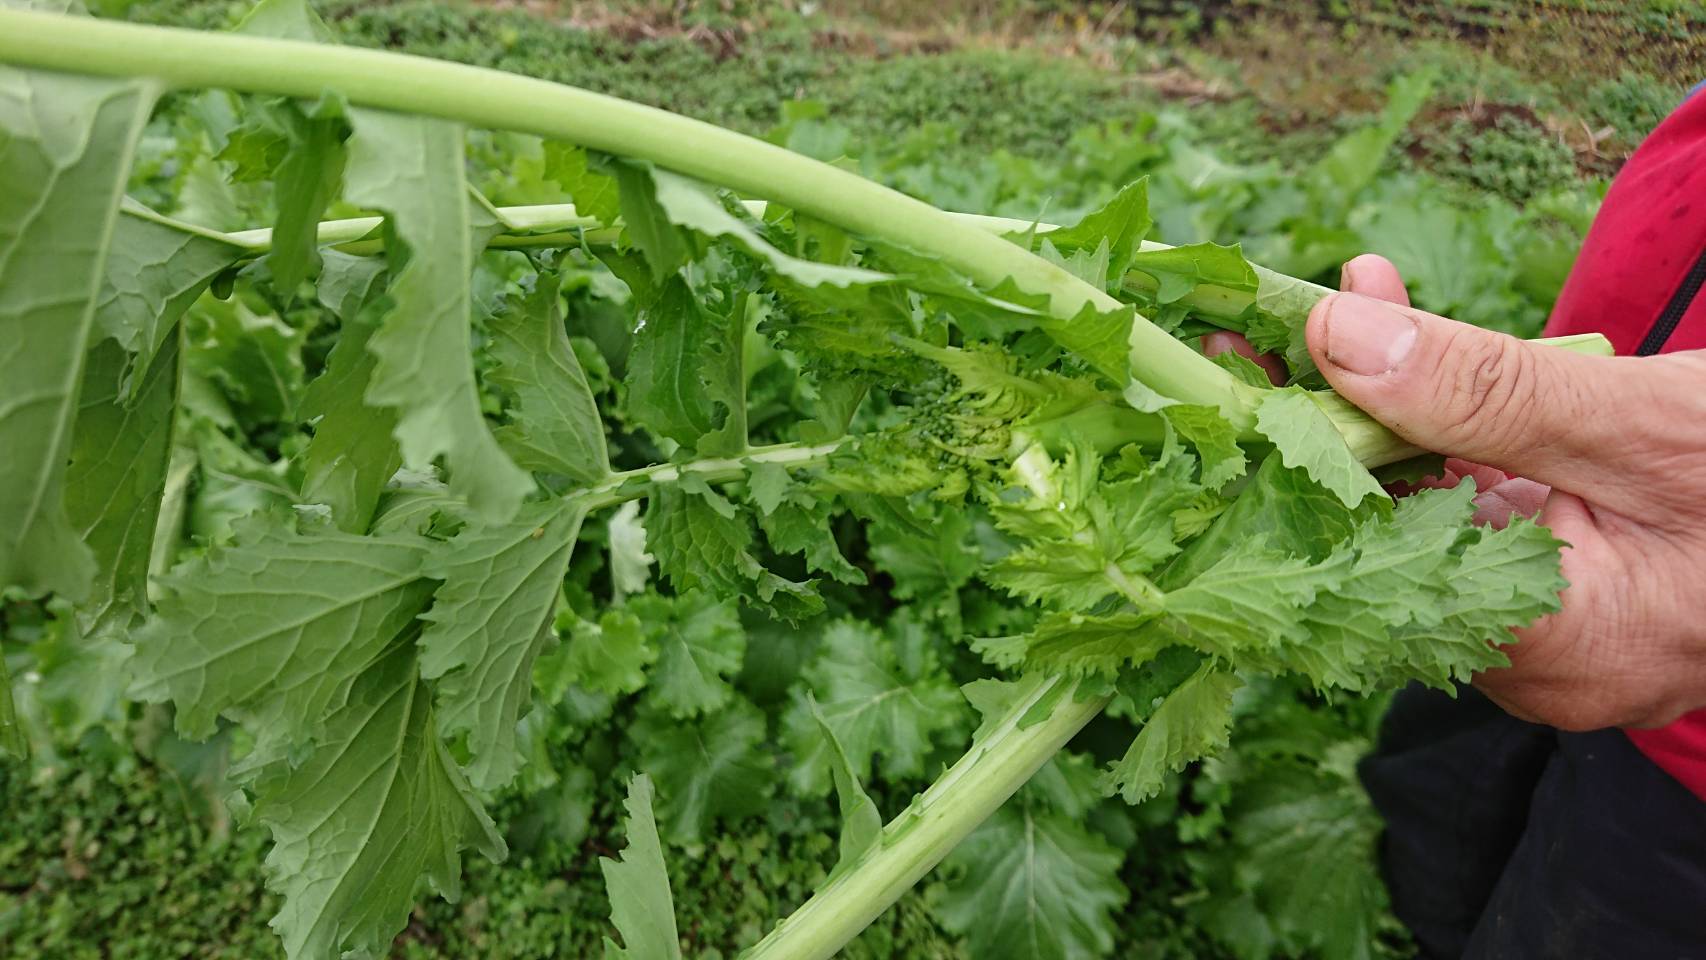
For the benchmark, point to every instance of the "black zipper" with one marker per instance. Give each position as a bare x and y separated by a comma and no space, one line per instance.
1679,303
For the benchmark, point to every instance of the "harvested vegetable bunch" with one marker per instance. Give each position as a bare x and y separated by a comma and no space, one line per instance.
1156,527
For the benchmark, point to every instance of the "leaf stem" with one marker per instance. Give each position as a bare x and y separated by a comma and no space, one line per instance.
634,484
999,762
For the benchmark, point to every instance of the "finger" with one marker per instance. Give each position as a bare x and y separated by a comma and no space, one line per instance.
1223,340
1527,409
1516,497
1374,276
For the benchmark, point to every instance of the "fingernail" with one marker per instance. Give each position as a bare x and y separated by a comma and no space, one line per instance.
1345,275
1366,336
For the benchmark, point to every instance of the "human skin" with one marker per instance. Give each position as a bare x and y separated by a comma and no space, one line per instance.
1610,452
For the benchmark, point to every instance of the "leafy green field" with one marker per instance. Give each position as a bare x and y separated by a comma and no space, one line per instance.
124,840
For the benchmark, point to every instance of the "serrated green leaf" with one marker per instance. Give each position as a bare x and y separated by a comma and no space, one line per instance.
712,769
803,525
1306,438
68,145
412,168
1243,368
227,637
1180,270
861,824
1118,227
254,358
768,484
611,655
885,700
555,426
116,476
699,547
1205,428
1079,644
487,625
1035,885
630,564
1250,600
641,907
376,806
285,20
1190,724
594,194
700,644
153,273
353,454
348,282
684,368
1289,823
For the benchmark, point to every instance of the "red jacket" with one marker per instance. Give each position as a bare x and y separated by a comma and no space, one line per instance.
1639,281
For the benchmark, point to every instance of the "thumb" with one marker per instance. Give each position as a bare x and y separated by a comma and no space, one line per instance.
1463,391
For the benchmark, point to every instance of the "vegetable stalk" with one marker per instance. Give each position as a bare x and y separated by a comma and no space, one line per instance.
493,99
998,764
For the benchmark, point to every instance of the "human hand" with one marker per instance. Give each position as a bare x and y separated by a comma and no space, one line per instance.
1612,453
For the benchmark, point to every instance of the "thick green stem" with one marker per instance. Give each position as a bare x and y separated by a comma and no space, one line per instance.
493,99
998,764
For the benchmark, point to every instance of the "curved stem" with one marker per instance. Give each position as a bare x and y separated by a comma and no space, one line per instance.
494,99
1000,761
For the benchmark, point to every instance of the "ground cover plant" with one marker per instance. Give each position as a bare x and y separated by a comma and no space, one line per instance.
372,545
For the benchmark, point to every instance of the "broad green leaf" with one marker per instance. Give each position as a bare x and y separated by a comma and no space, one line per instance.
594,194
65,148
376,806
641,907
555,426
1181,270
1306,438
1353,161
305,183
348,282
1249,601
691,205
277,627
610,655
1118,227
1190,724
707,770
685,371
1091,546
116,476
487,625
1076,643
285,20
412,168
861,824
1290,823
153,273
697,546
255,358
1204,427
700,644
1033,885
630,564
353,454
803,524
1292,513
882,694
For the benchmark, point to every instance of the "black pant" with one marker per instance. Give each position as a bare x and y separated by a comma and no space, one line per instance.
1511,841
